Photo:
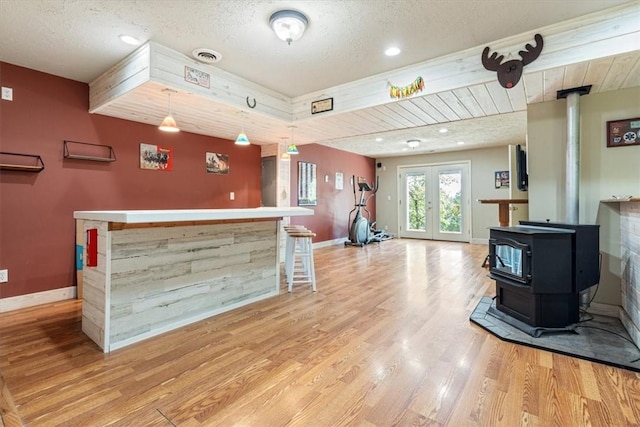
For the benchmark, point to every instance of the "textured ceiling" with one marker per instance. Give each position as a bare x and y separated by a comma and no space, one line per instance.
345,40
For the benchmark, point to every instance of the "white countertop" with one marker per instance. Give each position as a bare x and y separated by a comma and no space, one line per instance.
144,216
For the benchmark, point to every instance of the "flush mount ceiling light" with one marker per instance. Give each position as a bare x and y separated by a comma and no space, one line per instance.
413,143
443,130
288,24
169,123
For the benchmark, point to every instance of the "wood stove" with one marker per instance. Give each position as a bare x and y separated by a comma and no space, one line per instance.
540,268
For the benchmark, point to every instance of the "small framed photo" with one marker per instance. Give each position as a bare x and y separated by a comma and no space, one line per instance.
502,179
622,133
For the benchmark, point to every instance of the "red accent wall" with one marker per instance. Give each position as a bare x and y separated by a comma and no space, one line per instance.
37,229
331,215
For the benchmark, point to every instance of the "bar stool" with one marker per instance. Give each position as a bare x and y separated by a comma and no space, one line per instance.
299,265
288,242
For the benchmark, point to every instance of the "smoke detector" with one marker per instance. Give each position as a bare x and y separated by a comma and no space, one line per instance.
208,56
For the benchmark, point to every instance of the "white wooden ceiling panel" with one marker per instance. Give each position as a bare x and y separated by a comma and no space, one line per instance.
633,79
413,108
372,122
574,75
517,97
441,106
500,97
429,109
596,73
534,86
392,111
620,69
482,95
469,101
413,119
454,103
553,83
383,115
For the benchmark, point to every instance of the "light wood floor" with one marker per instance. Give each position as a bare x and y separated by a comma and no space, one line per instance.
385,341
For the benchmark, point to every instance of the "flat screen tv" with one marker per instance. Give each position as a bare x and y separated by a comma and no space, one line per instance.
521,169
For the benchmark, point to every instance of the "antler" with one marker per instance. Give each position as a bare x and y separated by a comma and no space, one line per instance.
531,53
492,62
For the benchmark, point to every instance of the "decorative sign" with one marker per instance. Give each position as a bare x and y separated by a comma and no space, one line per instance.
406,91
502,179
509,72
197,77
217,163
322,106
339,181
622,133
156,158
307,180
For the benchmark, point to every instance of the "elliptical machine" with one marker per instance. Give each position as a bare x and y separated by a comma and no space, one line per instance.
359,228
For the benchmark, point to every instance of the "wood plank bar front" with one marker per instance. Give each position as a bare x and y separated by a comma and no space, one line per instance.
160,270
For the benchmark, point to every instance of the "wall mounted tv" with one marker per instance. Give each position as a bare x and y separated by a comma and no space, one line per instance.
521,169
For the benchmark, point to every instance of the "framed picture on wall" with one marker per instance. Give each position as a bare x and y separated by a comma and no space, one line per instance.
307,182
622,133
502,179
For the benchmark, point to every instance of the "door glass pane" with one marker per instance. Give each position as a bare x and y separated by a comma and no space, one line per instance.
415,197
450,192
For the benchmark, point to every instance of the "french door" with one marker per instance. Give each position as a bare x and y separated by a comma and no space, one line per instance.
434,202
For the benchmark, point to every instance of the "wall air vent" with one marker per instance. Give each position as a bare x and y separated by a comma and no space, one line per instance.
208,56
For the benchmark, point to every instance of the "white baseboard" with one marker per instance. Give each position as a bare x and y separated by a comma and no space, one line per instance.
480,242
37,298
604,309
327,243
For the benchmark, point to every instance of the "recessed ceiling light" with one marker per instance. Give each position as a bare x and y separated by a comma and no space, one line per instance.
378,139
129,40
443,130
460,142
392,51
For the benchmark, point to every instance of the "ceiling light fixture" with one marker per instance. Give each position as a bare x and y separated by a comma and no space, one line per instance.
443,130
413,143
129,40
392,51
169,123
288,24
242,137
292,149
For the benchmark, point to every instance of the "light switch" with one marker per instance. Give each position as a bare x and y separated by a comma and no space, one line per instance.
232,196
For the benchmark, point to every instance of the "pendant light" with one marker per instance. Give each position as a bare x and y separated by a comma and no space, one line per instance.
242,137
169,123
292,149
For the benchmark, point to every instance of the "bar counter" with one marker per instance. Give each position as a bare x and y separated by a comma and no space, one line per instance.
157,270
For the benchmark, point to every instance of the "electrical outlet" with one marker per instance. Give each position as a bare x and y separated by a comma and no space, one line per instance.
4,276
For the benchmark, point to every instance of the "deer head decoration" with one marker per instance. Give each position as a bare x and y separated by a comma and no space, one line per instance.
509,72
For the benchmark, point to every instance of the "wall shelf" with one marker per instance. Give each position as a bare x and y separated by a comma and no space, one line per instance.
86,151
20,162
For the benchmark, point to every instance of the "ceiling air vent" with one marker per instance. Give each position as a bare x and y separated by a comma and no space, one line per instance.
208,56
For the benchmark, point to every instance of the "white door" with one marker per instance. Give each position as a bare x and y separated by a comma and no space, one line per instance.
434,202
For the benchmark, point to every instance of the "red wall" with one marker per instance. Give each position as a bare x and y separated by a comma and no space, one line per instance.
37,230
331,215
